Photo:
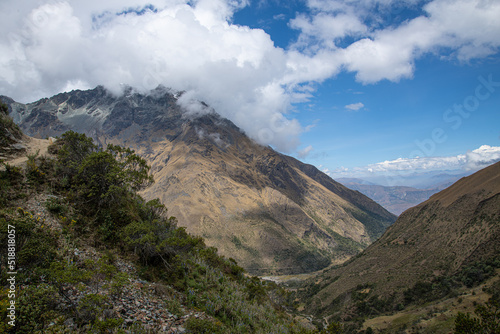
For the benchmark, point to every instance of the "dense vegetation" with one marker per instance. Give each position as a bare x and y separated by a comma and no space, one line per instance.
485,321
90,193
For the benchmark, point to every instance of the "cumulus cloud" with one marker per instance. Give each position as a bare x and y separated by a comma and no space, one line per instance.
186,46
305,152
355,106
469,161
460,29
49,46
482,157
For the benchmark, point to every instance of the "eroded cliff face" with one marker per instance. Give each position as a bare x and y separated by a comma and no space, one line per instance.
270,212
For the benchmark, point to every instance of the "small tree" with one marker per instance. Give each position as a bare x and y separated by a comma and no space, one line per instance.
72,149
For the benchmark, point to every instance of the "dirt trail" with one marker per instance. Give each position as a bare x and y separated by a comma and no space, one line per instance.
33,145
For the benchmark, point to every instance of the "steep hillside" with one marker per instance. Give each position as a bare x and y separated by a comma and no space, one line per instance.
270,212
449,240
91,256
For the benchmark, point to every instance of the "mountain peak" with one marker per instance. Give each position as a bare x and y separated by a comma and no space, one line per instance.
271,212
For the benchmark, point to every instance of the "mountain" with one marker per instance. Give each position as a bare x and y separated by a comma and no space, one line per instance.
269,211
452,237
395,199
420,180
116,265
353,180
11,136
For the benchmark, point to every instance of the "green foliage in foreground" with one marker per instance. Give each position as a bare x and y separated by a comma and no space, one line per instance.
92,194
486,321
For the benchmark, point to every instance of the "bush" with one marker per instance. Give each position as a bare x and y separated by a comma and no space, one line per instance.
9,131
200,326
423,292
477,272
102,182
54,206
10,183
487,320
72,149
35,307
35,244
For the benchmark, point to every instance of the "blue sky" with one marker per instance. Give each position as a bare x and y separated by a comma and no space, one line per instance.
397,120
355,87
359,124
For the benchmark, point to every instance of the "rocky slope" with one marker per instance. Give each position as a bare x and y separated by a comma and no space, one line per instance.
270,212
455,228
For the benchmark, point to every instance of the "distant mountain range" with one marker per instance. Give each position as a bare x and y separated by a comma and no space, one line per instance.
269,211
395,199
420,180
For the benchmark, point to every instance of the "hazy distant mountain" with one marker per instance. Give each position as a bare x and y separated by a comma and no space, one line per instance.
395,199
419,180
352,180
270,212
454,228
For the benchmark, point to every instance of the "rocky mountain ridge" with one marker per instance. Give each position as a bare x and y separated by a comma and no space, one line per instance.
271,212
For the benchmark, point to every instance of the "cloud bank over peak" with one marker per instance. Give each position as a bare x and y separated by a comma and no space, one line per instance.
50,46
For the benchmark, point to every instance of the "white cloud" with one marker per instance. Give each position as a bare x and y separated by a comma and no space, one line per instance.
482,157
48,46
419,163
469,161
463,28
305,152
327,28
80,44
355,106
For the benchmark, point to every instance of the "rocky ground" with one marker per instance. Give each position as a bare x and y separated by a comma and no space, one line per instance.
154,307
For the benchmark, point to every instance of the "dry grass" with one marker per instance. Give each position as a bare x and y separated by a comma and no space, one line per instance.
436,317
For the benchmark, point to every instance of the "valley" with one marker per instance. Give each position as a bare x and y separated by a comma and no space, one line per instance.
336,257
396,199
250,167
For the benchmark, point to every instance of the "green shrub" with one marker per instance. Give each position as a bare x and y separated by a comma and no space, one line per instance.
423,292
91,307
477,272
35,307
35,243
255,290
487,320
9,131
54,206
334,328
10,183
71,149
201,326
33,172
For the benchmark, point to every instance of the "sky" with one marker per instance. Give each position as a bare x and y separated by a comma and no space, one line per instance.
356,87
